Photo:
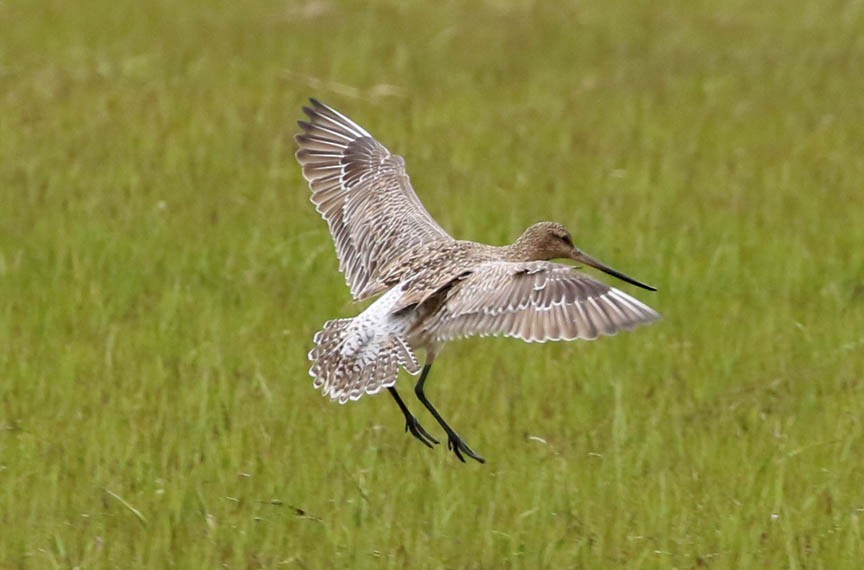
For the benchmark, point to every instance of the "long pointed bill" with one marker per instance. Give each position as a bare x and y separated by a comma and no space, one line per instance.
583,257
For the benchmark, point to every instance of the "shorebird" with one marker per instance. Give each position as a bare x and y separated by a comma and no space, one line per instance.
433,288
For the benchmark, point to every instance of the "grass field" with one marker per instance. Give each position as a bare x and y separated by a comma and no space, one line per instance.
162,273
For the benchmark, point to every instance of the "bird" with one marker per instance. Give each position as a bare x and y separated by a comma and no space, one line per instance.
432,288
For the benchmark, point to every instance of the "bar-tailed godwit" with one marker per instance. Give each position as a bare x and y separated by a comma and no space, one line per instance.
434,288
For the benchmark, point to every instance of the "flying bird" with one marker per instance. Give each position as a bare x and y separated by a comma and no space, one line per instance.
431,287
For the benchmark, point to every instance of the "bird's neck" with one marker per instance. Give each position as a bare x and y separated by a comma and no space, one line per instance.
520,250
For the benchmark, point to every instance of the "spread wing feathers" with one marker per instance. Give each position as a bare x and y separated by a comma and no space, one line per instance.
364,194
534,301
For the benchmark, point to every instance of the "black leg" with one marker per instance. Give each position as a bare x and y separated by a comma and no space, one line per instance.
411,423
454,441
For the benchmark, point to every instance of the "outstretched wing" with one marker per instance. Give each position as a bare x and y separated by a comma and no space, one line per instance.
534,301
364,194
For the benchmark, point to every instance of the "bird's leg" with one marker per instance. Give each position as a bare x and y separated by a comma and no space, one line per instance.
411,423
454,441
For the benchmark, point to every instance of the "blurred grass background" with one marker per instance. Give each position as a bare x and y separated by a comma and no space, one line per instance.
162,273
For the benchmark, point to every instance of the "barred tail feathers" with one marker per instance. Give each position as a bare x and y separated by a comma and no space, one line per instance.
349,361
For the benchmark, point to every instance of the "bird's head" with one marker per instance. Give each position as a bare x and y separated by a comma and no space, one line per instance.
550,240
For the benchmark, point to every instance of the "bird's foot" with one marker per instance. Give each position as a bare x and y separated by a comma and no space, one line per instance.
417,430
458,446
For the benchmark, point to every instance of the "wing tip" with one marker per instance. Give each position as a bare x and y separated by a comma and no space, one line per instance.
313,110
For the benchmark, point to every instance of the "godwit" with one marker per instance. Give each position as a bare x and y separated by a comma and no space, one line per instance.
436,288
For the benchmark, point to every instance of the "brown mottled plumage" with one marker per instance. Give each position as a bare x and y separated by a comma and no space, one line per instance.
435,288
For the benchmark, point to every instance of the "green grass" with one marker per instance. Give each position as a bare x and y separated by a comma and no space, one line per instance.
162,273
